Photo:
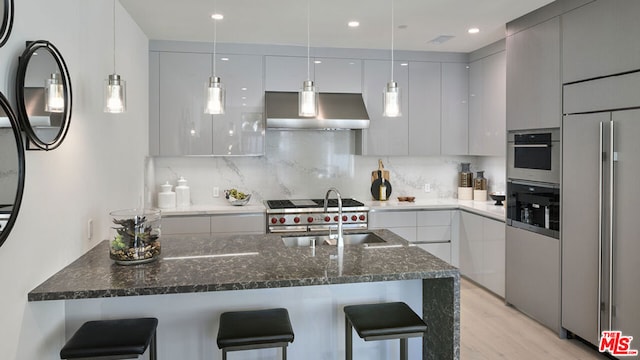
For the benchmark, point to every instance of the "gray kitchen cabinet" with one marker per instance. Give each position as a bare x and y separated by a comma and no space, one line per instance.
487,105
454,132
428,229
286,73
385,136
220,224
482,251
238,223
185,225
240,130
184,128
533,77
338,75
600,39
154,103
424,108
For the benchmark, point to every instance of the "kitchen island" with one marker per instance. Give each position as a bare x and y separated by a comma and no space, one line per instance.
197,278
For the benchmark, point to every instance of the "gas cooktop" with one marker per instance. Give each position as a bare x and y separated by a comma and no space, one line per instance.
310,203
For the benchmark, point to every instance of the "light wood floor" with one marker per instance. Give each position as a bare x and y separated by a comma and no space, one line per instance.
491,330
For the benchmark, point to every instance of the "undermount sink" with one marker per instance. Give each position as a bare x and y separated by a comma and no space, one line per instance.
317,240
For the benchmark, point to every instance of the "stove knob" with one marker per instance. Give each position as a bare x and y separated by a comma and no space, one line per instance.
327,218
274,220
310,219
335,218
362,218
282,220
296,219
344,217
354,218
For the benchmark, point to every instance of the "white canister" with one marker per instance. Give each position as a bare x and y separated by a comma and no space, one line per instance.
465,193
479,195
166,197
183,196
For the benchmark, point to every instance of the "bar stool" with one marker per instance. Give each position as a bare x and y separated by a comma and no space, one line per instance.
112,339
258,329
383,321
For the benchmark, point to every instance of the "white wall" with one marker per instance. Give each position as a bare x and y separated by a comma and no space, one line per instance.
97,169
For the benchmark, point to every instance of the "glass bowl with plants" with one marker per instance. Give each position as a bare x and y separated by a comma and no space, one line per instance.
136,236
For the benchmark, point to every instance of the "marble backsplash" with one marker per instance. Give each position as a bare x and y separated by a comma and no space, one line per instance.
304,164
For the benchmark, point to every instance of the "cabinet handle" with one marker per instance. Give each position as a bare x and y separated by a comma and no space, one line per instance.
532,145
611,202
600,218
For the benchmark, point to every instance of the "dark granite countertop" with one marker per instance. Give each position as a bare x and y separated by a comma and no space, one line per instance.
218,263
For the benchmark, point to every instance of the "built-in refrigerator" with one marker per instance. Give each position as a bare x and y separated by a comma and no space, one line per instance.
600,214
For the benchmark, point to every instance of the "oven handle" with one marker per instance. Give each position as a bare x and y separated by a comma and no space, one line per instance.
532,145
288,229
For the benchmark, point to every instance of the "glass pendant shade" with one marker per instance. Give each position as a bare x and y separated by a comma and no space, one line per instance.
308,100
115,95
392,100
54,94
215,95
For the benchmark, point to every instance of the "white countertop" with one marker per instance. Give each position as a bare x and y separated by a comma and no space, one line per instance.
484,208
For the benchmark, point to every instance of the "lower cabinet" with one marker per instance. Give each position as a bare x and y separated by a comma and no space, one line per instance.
482,251
219,224
428,229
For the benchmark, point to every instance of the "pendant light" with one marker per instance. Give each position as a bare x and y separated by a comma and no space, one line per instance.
308,95
391,99
54,94
115,90
214,92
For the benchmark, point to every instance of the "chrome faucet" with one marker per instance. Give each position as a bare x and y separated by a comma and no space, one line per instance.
326,199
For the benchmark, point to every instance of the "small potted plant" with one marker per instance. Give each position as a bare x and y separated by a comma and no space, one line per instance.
136,238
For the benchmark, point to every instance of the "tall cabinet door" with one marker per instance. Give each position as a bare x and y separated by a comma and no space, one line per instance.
184,127
626,248
580,199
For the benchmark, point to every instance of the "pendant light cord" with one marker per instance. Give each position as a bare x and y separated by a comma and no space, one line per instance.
215,37
392,18
114,36
308,39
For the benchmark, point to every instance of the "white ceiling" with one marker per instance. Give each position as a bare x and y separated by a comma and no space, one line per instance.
284,21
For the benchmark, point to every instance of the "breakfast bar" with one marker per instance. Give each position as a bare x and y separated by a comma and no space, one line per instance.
198,277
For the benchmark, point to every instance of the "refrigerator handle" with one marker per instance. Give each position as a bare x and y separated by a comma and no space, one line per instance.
611,225
600,218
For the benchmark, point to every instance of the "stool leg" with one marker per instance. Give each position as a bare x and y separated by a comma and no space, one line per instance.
284,353
403,349
348,339
152,348
224,354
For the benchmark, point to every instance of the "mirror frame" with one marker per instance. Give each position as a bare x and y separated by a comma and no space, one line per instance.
4,103
23,116
7,22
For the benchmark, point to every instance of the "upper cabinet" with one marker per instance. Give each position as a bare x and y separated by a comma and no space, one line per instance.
600,39
338,75
286,73
487,105
424,108
180,124
385,136
533,77
454,120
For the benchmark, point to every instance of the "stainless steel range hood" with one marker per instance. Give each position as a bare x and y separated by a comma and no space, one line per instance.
335,111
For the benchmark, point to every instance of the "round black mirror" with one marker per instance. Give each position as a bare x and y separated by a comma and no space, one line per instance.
43,90
11,168
6,18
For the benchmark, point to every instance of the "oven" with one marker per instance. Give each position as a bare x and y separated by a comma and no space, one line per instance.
306,215
534,206
534,155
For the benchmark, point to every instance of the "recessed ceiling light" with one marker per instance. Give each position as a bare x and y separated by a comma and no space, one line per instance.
473,30
317,61
404,64
224,59
217,16
403,26
353,23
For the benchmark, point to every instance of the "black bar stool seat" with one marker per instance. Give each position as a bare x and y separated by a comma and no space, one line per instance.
112,339
384,321
245,330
